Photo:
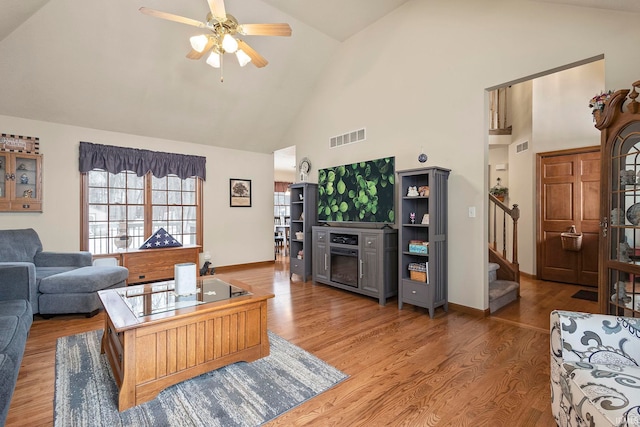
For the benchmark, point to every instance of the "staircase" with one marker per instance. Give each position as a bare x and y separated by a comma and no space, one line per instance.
501,292
504,270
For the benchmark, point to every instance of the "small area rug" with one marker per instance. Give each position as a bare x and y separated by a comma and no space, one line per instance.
588,295
241,394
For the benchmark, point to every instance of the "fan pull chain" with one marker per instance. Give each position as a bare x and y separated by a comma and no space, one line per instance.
221,67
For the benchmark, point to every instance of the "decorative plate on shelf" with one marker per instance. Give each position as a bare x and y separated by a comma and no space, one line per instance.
633,214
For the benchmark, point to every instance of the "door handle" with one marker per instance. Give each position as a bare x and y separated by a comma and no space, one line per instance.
605,226
361,268
326,265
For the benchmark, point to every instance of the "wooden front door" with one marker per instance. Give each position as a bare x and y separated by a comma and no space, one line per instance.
568,195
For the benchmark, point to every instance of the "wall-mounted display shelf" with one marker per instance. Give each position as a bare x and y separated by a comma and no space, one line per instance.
20,182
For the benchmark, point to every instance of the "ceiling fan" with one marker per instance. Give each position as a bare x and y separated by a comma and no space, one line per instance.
218,39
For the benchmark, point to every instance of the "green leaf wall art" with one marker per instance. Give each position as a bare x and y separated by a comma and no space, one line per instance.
360,192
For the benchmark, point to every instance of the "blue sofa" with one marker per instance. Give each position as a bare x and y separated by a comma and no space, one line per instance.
15,321
57,282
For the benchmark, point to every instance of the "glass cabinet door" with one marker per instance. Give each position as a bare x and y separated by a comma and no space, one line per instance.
27,180
622,235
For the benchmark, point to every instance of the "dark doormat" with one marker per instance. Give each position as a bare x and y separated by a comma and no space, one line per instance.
588,295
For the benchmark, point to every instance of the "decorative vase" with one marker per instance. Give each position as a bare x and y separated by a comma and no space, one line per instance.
122,240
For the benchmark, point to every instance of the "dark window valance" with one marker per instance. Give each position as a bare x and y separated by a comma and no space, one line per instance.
117,159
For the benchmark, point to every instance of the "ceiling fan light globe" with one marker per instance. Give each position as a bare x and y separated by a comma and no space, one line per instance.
198,43
214,60
243,58
229,44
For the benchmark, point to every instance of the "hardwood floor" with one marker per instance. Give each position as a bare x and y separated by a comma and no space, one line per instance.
404,368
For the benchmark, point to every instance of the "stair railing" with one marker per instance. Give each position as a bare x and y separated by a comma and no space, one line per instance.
503,236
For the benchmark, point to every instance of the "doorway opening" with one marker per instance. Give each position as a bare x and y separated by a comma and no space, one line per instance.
284,173
546,112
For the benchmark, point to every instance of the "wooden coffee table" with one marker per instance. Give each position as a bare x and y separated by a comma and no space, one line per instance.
154,338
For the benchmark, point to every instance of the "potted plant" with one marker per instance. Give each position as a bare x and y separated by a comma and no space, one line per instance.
498,191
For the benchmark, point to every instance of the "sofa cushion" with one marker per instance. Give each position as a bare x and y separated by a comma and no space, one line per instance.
42,272
611,392
85,279
19,245
12,337
20,308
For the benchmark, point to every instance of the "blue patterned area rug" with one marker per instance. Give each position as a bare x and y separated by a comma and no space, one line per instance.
242,394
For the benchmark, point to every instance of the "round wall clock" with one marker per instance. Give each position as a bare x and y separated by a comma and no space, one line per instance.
305,165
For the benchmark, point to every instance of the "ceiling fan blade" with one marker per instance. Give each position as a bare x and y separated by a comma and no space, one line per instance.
172,17
194,54
265,29
256,58
217,9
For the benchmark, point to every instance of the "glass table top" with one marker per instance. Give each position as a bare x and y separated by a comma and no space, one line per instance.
152,298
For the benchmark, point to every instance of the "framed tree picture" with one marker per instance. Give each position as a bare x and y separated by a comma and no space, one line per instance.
240,193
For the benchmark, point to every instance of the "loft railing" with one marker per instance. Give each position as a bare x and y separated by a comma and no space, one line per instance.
503,238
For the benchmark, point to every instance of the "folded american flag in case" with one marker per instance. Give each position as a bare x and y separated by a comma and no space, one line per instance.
160,239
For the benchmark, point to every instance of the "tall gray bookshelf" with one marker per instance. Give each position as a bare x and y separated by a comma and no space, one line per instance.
304,215
422,241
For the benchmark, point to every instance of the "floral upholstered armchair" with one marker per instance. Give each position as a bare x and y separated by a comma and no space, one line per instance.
595,372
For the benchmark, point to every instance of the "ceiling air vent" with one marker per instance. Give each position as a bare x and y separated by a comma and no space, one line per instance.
347,138
523,146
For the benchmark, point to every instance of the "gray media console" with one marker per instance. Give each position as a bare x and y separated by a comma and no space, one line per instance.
361,260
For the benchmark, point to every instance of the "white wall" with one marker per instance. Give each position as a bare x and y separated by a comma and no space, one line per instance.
231,235
499,155
522,173
561,122
285,176
417,77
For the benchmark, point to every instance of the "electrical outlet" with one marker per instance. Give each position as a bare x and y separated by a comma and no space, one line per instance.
472,211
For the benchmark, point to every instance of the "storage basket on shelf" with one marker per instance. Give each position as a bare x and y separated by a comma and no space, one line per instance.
418,247
418,271
571,240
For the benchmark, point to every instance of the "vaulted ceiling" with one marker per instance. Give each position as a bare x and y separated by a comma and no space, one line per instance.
104,65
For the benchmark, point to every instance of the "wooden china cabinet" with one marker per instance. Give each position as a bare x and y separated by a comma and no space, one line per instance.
20,182
619,263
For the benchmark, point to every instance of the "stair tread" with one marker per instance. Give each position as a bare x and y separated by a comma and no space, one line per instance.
498,288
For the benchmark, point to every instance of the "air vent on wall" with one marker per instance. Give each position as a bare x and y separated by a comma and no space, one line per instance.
523,146
347,138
